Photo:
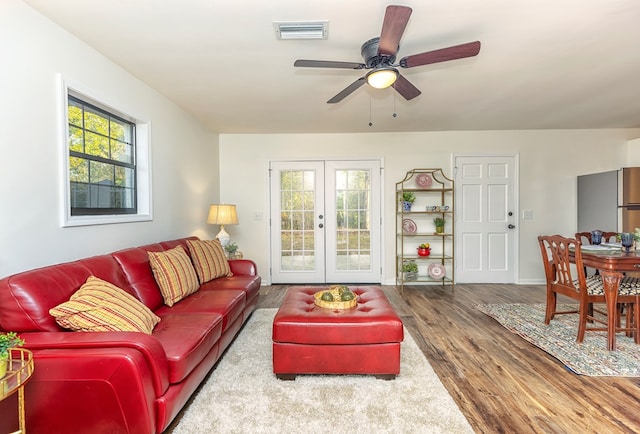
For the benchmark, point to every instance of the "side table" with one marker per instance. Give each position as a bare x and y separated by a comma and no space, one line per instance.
19,370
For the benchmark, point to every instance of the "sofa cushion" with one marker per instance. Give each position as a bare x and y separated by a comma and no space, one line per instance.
209,259
99,306
25,298
248,284
134,263
229,303
166,245
174,274
187,340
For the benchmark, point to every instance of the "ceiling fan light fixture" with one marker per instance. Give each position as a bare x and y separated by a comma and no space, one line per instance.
382,78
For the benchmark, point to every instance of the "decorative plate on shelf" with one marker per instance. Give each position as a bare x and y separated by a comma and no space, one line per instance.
436,271
409,226
423,180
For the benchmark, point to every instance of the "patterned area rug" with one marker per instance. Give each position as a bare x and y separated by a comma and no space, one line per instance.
559,340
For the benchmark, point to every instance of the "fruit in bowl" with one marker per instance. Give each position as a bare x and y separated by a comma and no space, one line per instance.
424,249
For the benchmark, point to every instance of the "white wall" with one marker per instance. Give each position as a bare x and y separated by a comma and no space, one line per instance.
193,167
633,153
184,155
549,164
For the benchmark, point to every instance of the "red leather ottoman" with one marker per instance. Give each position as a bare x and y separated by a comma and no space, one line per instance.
308,339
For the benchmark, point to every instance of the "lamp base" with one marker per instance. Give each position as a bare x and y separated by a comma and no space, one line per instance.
223,236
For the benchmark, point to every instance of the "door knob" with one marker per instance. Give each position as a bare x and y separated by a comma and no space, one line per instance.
511,226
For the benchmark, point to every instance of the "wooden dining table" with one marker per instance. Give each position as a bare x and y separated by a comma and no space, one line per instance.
611,264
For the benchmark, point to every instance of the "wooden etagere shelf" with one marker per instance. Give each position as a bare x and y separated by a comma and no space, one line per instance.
434,197
19,370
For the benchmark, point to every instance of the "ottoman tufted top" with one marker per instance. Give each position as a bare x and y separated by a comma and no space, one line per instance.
372,321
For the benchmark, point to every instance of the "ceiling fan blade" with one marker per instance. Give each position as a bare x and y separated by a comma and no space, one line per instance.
444,54
347,91
328,64
395,21
405,88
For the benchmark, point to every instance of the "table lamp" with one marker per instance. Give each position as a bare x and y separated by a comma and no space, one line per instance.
222,214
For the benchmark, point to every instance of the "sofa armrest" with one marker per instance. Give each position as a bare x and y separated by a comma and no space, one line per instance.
243,267
62,344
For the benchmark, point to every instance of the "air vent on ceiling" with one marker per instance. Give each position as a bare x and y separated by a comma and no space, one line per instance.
301,30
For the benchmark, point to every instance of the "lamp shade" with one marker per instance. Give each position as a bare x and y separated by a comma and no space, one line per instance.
222,214
383,77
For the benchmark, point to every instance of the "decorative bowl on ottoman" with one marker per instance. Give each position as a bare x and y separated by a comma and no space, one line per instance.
336,297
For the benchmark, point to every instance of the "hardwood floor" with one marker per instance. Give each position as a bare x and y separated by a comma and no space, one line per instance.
502,383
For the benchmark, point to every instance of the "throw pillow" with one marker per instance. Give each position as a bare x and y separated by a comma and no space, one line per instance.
99,306
174,274
209,259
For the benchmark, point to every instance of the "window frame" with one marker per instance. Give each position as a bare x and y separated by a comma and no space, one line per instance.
109,161
142,160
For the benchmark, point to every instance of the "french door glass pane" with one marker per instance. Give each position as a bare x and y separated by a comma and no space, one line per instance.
297,210
353,225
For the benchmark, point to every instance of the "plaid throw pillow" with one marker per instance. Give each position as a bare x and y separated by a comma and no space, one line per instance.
99,306
209,259
174,274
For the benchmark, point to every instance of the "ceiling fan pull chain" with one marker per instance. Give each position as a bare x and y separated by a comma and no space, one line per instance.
395,111
370,123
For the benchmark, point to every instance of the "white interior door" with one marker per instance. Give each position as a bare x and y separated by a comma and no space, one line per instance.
486,218
325,222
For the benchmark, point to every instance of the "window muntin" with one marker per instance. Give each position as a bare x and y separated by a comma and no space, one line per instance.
102,169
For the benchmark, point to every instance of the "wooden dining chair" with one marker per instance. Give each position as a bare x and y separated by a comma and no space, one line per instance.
607,237
569,279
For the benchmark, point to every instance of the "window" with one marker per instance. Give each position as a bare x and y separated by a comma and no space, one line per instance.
102,169
106,160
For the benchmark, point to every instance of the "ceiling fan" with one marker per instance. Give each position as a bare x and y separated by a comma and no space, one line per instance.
379,54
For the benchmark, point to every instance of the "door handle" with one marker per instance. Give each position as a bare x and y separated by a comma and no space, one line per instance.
511,226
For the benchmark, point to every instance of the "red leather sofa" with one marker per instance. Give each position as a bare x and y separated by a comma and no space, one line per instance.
119,382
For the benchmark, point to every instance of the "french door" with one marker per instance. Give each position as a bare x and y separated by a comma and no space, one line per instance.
325,221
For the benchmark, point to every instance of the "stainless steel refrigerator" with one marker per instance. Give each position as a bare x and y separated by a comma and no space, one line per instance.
609,201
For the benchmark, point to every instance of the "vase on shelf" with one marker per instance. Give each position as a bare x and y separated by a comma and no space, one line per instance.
440,229
406,206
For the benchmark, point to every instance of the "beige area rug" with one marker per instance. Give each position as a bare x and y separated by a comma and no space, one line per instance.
242,395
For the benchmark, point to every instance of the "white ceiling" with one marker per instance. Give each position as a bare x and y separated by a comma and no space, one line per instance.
544,64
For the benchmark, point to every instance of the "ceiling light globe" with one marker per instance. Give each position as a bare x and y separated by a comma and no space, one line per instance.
381,78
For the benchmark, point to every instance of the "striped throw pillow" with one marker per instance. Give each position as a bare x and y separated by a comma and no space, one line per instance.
209,259
174,274
99,306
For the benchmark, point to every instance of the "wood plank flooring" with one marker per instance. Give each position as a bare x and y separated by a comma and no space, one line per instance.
502,383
